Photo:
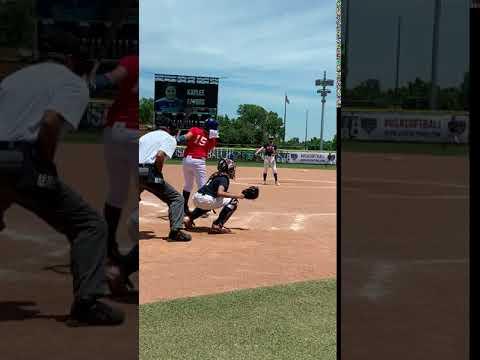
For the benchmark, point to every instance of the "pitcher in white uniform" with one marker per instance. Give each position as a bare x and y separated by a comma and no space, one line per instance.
269,159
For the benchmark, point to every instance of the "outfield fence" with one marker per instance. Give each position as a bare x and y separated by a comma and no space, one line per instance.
284,156
419,127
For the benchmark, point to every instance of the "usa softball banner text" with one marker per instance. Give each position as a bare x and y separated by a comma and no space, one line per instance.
405,127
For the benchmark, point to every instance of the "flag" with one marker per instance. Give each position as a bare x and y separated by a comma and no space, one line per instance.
286,99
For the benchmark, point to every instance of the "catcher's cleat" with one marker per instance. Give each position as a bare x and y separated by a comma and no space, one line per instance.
91,312
217,229
206,215
178,235
188,223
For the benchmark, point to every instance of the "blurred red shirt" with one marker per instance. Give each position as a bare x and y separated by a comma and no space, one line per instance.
125,106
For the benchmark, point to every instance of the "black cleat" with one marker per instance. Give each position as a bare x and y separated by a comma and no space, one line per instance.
178,235
91,312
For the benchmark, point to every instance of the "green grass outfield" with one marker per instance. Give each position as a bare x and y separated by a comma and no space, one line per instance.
291,322
405,148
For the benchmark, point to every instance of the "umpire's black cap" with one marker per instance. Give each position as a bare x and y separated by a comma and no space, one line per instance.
62,45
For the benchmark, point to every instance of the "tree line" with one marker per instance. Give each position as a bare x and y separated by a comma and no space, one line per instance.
251,127
414,95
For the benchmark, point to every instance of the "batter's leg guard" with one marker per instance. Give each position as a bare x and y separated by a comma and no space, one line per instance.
186,196
196,213
226,212
112,216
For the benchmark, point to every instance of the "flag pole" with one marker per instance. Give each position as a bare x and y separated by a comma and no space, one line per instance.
306,128
285,118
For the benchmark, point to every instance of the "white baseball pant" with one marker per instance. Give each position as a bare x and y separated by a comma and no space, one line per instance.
121,157
269,161
208,202
194,169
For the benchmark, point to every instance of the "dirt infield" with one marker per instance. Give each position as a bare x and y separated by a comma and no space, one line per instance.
36,291
287,235
404,256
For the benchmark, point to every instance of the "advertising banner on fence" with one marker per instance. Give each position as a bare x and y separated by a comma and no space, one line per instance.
297,157
312,158
411,127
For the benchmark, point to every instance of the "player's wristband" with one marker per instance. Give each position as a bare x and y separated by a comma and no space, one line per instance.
181,138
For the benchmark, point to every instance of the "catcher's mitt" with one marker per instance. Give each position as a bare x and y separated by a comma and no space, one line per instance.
251,193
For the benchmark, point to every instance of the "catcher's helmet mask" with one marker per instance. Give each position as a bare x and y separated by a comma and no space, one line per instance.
227,166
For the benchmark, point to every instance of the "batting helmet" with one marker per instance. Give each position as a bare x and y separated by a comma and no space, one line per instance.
227,166
210,124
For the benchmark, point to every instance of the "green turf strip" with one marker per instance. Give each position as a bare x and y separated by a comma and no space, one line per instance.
296,321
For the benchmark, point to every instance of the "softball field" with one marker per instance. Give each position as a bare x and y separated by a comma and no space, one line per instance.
404,256
288,234
266,291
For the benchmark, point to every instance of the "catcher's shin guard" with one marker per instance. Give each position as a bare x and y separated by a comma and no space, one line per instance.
196,213
226,212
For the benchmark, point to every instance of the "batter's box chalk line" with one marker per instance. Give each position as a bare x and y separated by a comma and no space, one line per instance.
379,282
292,223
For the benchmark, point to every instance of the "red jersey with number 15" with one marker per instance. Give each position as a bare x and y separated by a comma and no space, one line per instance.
199,145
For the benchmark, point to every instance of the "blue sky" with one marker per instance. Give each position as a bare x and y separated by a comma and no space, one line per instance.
260,50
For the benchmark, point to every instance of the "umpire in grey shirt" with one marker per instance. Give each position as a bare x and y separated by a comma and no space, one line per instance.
37,104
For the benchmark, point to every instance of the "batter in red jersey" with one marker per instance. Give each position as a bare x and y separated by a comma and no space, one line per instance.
121,156
199,141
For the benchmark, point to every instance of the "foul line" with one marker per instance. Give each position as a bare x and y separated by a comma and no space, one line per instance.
294,180
291,186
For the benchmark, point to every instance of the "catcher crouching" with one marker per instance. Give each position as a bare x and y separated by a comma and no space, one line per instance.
214,195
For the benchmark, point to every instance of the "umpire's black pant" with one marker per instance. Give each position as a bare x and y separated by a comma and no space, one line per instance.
69,214
167,193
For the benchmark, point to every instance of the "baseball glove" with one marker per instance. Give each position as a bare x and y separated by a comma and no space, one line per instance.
251,193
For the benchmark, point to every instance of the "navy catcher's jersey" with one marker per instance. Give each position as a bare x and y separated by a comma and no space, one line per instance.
212,185
270,149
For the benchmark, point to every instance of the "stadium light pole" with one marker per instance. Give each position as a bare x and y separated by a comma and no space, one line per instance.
323,91
397,68
435,43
